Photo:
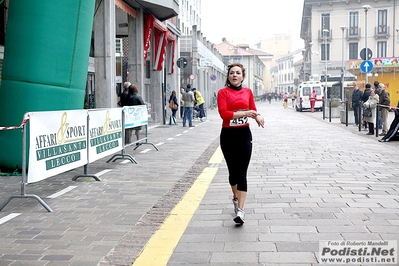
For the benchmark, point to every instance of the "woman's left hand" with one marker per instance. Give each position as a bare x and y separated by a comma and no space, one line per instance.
260,120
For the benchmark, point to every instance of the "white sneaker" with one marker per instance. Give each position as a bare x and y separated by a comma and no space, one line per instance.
235,203
239,219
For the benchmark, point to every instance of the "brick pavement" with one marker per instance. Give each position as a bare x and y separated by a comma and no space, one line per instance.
309,180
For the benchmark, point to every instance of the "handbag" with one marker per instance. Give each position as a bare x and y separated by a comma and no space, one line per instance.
172,105
367,112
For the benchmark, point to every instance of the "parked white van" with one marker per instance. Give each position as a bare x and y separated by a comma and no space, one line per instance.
302,95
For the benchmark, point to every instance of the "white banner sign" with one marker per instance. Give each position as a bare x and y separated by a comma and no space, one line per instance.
105,133
135,116
58,143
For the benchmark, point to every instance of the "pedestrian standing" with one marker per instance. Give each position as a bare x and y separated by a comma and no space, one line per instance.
365,97
385,101
174,107
134,99
371,103
188,98
236,106
312,100
182,91
356,100
200,103
123,96
378,92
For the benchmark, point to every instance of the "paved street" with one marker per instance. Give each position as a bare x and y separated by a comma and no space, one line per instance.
309,180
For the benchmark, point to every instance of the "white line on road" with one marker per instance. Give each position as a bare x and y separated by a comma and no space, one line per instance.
8,217
145,151
103,172
62,192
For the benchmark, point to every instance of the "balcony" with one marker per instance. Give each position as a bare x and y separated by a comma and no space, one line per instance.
321,36
353,33
382,32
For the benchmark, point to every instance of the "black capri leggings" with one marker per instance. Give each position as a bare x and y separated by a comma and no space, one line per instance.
236,145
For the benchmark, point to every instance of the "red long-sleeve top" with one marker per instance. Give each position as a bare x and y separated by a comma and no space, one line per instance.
230,101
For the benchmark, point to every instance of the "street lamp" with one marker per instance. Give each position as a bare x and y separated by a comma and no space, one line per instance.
366,8
343,28
325,32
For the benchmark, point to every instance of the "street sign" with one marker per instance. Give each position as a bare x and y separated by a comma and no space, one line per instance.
363,54
192,76
366,66
181,62
213,77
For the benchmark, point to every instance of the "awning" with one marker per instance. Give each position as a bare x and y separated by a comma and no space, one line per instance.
148,25
161,9
125,7
162,38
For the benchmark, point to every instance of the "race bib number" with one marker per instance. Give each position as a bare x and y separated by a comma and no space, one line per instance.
239,121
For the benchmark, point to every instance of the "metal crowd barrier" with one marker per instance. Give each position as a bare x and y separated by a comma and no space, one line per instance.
143,139
100,133
24,176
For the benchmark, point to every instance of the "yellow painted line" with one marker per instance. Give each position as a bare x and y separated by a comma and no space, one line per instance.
217,157
161,245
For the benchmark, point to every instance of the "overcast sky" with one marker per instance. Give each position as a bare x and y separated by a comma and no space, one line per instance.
251,19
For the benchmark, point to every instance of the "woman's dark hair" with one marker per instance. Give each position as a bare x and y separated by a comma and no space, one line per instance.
227,83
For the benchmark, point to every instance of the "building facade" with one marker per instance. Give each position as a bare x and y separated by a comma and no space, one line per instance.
288,72
250,59
335,32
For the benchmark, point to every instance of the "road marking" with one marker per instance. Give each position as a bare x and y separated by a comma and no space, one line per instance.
160,247
159,144
103,172
170,138
124,162
145,151
62,192
178,135
8,217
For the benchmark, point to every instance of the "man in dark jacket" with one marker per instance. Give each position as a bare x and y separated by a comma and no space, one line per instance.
356,100
366,93
378,92
385,100
133,98
365,97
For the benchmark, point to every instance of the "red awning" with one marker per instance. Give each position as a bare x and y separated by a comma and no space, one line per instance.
125,7
171,61
160,38
148,25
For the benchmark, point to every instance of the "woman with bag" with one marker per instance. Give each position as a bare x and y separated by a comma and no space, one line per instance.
173,105
371,104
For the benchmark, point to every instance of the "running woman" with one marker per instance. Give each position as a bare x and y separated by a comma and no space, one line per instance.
236,106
